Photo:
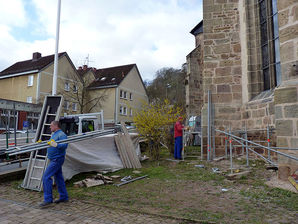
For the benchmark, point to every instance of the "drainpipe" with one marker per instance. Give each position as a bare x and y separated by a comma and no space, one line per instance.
116,106
38,87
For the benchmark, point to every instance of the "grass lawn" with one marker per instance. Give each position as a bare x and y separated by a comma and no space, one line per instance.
185,191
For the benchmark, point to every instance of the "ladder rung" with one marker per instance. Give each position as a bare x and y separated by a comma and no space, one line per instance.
38,167
46,135
51,114
40,156
35,178
47,124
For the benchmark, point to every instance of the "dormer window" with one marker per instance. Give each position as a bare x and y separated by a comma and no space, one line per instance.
103,78
113,79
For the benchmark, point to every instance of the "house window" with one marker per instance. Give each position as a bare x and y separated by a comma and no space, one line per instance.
124,95
130,112
130,96
270,43
66,86
74,106
124,111
66,105
120,109
30,80
75,88
29,99
121,94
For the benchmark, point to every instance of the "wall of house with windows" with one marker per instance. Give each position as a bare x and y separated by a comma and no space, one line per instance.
108,105
19,88
132,95
68,85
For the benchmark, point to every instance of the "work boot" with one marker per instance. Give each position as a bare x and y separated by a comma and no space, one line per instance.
45,204
60,201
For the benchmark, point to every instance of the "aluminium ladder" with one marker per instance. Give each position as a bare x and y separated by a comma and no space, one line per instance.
38,159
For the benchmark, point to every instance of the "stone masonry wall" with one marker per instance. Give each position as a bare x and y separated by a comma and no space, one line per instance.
222,64
194,96
286,96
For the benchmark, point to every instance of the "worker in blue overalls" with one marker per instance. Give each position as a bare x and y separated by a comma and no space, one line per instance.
56,155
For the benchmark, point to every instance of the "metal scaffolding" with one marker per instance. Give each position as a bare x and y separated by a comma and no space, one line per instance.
234,142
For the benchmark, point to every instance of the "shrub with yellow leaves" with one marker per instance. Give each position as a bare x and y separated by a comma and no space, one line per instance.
153,122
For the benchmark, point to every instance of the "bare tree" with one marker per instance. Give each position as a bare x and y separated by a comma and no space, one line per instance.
75,90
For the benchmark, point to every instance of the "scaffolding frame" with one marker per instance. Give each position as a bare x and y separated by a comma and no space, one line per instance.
242,141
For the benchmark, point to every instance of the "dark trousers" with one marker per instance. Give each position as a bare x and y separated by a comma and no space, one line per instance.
178,147
54,170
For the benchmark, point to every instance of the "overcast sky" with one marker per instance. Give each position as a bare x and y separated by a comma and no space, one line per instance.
151,33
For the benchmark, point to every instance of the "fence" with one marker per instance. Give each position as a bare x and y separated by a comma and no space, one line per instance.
232,141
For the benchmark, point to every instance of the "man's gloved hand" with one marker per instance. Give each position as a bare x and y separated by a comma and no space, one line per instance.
52,143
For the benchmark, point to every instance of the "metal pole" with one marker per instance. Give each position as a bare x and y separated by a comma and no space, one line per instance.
6,128
213,131
129,181
208,127
202,141
231,153
261,146
226,145
14,124
257,154
102,122
54,89
268,144
246,147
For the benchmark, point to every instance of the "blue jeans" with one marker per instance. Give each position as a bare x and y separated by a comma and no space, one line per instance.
178,147
54,169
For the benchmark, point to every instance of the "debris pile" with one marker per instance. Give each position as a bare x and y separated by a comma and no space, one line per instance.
96,180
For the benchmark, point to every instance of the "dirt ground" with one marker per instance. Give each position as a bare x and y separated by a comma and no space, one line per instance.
196,195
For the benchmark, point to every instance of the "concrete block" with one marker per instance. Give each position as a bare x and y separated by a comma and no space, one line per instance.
294,144
223,71
285,95
283,18
223,88
283,172
287,51
281,4
282,142
225,48
288,33
284,127
291,111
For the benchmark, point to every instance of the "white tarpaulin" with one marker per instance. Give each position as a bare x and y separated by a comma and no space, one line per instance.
96,154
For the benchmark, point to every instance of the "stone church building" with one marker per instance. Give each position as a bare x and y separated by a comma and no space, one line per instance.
246,54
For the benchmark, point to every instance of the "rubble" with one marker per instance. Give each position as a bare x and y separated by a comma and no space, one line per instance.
98,179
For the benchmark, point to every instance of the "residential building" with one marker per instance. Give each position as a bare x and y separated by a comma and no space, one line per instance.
29,81
123,91
250,65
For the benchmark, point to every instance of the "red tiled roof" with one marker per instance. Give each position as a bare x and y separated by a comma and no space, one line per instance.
110,76
29,65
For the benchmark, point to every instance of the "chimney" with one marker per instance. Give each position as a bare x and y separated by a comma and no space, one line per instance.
85,67
36,56
80,68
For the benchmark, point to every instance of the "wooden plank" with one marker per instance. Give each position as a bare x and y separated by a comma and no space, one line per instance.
123,151
120,151
130,147
127,153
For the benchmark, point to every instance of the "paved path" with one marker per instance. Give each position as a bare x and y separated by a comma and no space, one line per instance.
20,206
